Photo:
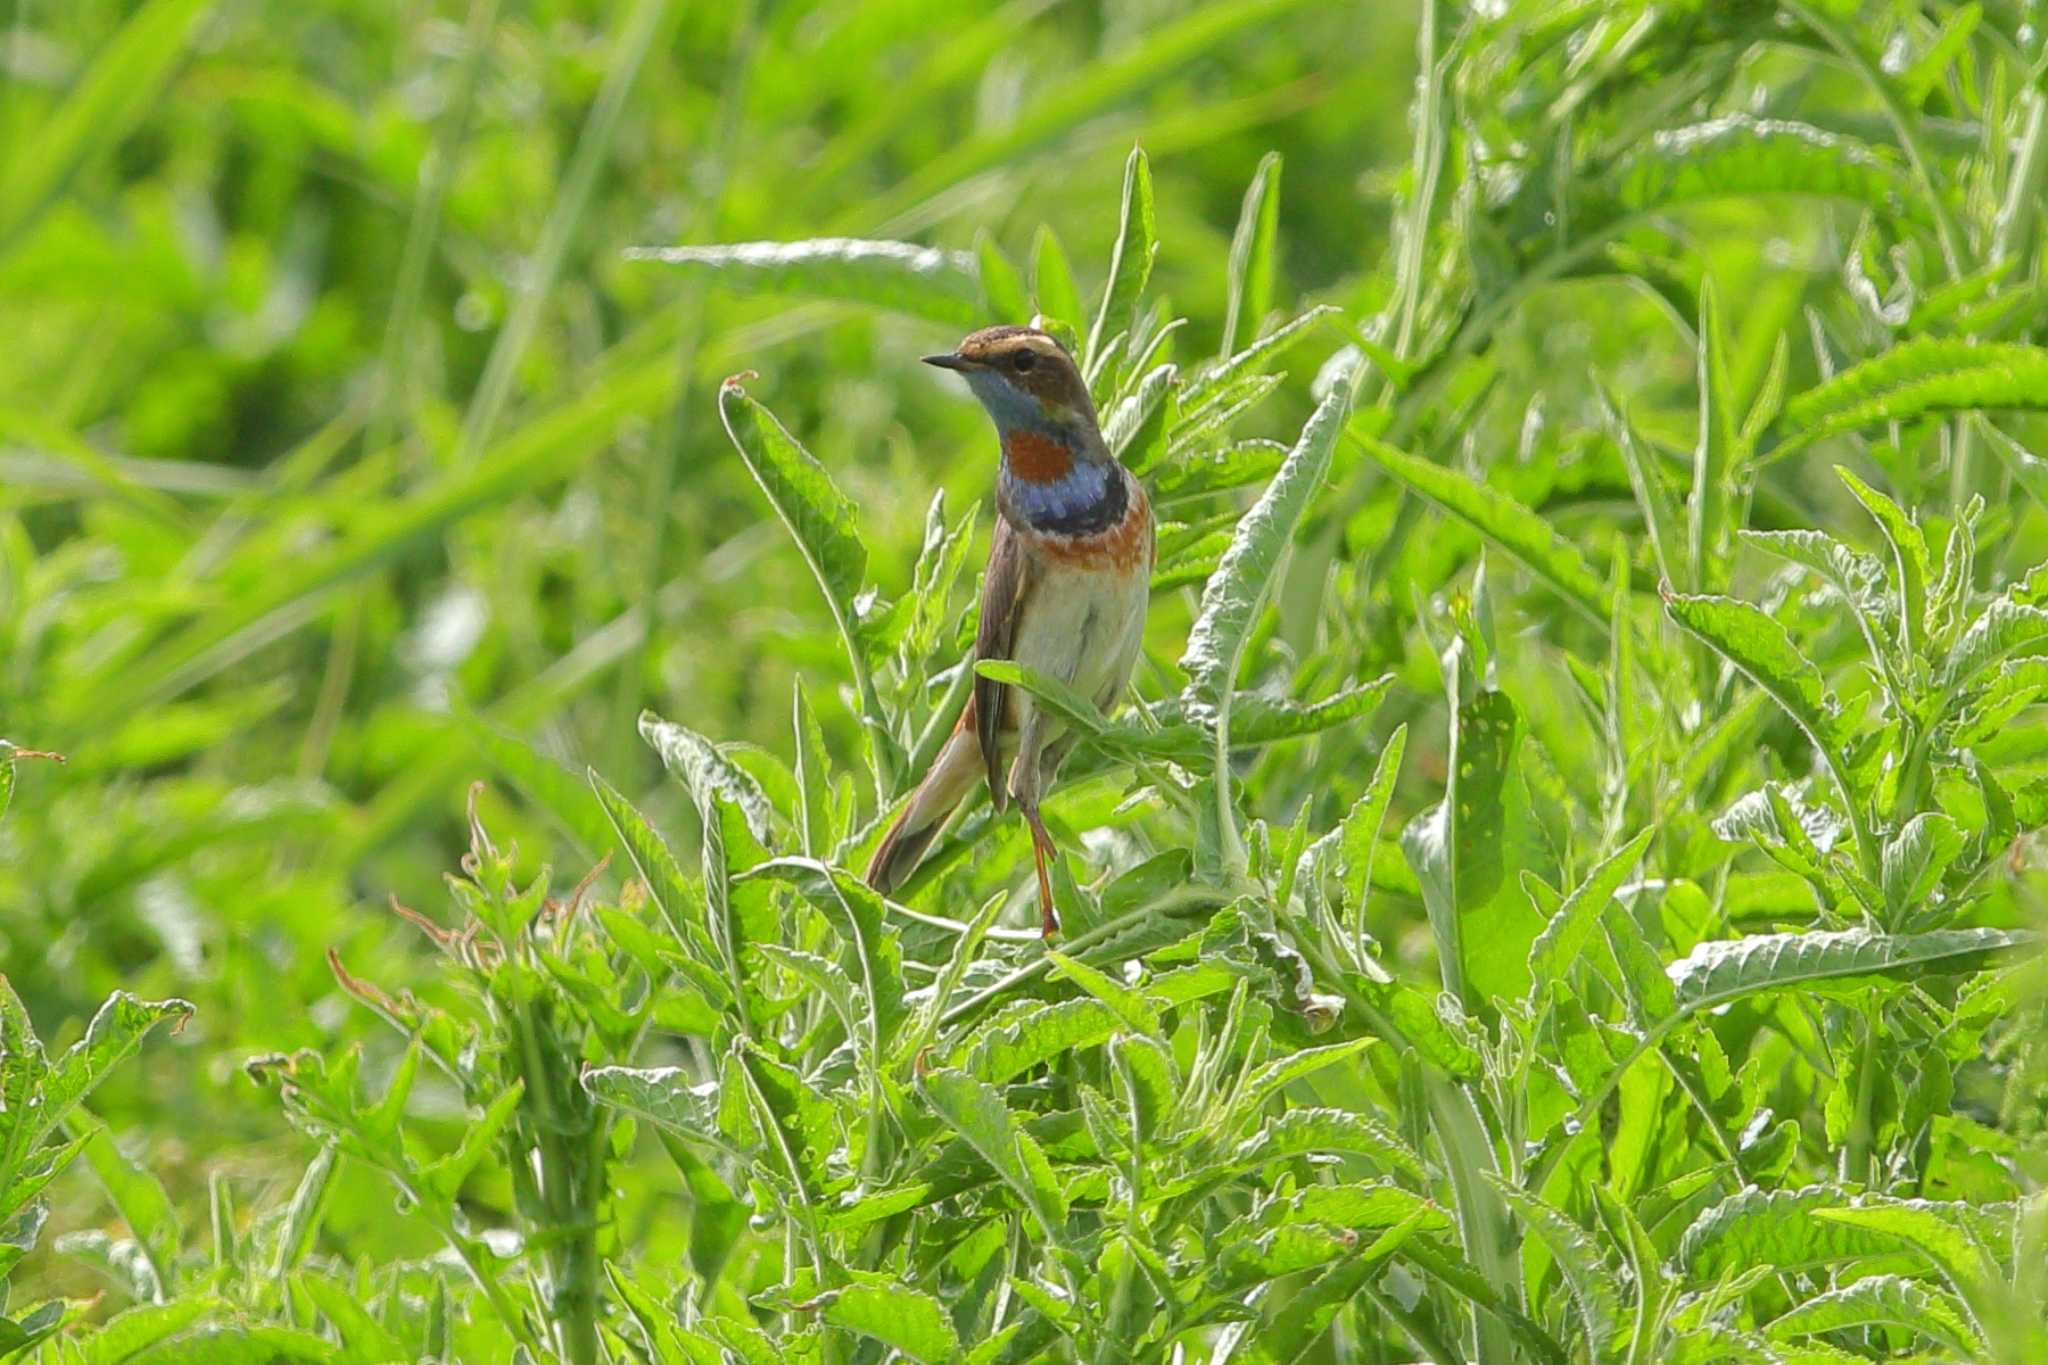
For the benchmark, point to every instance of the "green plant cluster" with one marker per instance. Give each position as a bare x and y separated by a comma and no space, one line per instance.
1566,884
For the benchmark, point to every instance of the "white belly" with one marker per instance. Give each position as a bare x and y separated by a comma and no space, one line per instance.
1084,628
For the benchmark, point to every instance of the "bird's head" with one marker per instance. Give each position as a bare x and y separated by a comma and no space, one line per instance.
1026,380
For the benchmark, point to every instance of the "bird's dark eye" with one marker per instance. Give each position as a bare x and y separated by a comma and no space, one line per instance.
1023,361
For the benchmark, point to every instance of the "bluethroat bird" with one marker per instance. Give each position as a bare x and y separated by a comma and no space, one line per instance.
1065,592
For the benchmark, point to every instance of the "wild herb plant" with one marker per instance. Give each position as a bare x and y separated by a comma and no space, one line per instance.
1565,885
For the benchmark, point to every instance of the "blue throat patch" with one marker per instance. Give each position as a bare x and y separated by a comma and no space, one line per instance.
1089,498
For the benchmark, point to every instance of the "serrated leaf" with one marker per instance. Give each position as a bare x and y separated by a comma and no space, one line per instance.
1723,970
1504,521
1260,719
1308,1314
662,1094
678,901
706,772
976,1112
1910,566
1254,358
1591,1281
1236,592
1275,1076
1741,154
906,1319
818,516
1917,856
920,280
1571,927
1031,1032
1129,1005
2004,627
1921,377
1932,1229
1881,1301
1130,262
1764,651
447,1175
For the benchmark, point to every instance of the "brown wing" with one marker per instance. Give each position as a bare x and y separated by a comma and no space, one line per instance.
1003,590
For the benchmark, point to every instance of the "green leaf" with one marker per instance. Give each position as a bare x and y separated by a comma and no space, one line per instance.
1275,1076
116,1031
1504,521
1136,429
706,773
856,912
1571,927
2004,627
1917,856
1763,650
1909,556
1130,262
130,1336
1052,279
662,1094
143,1204
924,281
1882,1301
447,1176
362,1336
1933,1229
1220,377
1260,719
1030,1032
1653,497
976,1112
895,1314
680,904
1291,1334
1722,970
1468,851
1591,1281
1717,453
1358,837
1740,154
118,92
1130,1006
819,518
1177,742
1238,590
1925,376
1254,247
1312,1132
1002,288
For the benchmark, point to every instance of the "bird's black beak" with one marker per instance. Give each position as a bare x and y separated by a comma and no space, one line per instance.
951,360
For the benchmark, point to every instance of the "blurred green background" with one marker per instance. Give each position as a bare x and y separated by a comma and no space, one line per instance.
333,409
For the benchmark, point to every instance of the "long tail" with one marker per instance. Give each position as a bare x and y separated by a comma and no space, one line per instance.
952,776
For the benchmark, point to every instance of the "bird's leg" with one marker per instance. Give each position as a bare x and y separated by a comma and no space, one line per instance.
1042,850
1026,781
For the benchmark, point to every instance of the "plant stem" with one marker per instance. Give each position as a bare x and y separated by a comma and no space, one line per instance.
1856,1161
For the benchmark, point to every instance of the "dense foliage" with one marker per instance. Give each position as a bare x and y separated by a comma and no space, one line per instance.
1566,885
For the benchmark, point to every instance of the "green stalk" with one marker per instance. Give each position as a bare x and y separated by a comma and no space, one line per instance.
637,37
670,437
1482,1217
1856,1161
